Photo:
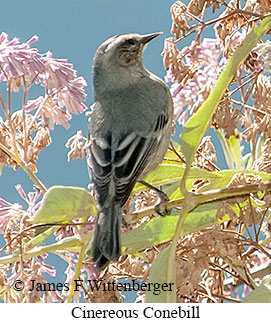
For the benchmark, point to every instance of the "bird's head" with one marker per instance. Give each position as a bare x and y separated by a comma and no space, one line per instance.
123,50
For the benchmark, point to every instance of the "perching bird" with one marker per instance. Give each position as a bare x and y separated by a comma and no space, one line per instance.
129,133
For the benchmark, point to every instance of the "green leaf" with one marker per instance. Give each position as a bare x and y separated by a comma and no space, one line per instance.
236,152
43,229
42,235
164,174
67,244
162,229
163,272
156,231
64,203
226,148
168,173
261,294
223,178
201,217
199,122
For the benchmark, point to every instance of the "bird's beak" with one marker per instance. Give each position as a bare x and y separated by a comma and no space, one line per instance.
147,38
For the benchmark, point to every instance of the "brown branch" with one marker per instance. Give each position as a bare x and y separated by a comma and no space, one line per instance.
36,226
195,199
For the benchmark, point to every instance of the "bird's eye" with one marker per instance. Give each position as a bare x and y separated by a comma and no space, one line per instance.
131,41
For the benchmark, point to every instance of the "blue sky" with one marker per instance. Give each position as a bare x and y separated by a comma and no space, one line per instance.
73,29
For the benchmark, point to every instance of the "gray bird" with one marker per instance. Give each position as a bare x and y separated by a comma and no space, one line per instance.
129,133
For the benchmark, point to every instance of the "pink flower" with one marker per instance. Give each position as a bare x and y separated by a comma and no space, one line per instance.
264,52
61,81
204,69
48,111
18,59
207,53
58,72
7,211
51,115
72,95
34,104
22,65
31,198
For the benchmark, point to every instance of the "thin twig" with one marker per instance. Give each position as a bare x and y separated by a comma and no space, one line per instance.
172,148
36,226
25,134
251,108
226,298
25,167
9,100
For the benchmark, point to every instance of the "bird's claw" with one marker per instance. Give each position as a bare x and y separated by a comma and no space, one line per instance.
161,208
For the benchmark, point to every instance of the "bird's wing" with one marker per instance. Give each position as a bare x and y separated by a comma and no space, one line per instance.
115,173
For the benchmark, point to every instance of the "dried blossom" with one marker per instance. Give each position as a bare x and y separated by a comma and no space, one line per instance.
14,221
263,163
264,55
197,258
260,6
226,117
245,212
76,144
196,6
178,13
262,112
108,296
145,199
243,179
5,140
228,24
205,156
193,72
29,146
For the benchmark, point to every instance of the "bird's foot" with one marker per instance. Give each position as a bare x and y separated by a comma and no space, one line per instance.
161,207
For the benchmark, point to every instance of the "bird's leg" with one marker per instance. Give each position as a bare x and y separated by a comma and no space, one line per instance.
124,214
163,199
162,195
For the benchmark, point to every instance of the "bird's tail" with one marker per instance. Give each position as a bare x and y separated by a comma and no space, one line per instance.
106,242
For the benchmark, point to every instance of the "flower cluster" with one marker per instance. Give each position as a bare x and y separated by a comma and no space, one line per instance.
26,132
14,222
192,72
20,65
